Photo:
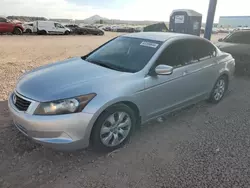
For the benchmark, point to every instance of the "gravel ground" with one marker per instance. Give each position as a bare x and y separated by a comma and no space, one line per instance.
202,146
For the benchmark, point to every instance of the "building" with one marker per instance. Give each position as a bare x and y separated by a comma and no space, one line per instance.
234,21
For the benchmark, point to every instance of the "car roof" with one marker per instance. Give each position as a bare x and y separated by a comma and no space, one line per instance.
159,36
242,30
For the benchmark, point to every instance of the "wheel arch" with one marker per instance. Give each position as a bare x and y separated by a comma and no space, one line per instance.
30,31
18,27
128,103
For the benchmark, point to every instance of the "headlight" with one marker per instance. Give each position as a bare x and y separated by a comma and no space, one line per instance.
66,106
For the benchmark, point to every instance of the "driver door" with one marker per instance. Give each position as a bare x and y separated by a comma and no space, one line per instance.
165,93
59,29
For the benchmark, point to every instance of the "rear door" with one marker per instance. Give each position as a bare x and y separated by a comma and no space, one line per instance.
201,70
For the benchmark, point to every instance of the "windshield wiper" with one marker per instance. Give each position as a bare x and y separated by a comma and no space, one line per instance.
100,63
108,65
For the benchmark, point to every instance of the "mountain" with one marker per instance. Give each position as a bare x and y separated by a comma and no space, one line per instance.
97,18
94,19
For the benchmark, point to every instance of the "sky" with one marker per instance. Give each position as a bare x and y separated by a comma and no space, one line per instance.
156,10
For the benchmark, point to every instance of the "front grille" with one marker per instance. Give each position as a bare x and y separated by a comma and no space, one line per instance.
21,103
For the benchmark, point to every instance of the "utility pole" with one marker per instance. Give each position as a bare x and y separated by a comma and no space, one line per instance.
210,19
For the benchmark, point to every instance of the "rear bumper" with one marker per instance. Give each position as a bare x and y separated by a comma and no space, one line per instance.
63,132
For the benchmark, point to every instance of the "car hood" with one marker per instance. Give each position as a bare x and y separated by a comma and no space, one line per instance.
233,48
66,79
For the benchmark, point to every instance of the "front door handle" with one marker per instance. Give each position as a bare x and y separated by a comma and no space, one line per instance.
185,73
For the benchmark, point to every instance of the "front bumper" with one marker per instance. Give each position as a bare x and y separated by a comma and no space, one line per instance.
62,132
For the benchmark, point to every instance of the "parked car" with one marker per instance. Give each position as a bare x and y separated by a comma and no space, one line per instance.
75,29
126,29
101,97
238,44
28,27
7,26
50,27
106,28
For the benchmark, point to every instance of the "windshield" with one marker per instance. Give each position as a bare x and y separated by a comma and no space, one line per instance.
242,37
125,54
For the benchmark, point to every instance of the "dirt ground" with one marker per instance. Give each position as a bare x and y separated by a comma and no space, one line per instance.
202,146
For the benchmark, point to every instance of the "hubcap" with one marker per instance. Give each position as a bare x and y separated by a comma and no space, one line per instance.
115,129
219,90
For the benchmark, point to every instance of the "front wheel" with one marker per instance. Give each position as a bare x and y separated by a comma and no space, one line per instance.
219,89
66,33
17,31
113,128
28,31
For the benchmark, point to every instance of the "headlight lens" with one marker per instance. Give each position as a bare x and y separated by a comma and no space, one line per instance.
65,106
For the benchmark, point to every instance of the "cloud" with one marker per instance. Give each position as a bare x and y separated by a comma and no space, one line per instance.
158,10
49,9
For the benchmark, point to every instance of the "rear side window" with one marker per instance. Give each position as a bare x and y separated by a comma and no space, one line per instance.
202,50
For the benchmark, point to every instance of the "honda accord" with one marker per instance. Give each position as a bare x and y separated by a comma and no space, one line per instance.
101,97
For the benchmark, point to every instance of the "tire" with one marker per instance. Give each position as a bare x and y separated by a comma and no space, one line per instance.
66,33
17,31
114,135
43,32
219,89
28,31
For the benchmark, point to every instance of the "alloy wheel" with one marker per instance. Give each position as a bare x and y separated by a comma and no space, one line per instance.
115,129
219,89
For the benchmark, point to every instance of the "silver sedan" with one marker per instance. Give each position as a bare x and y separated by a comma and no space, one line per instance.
101,97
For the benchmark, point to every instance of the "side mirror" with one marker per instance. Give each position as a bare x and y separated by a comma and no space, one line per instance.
220,40
164,70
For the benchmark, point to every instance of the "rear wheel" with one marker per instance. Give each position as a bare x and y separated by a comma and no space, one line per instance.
113,128
219,89
42,32
17,31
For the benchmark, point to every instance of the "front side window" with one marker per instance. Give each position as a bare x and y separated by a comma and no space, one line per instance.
125,54
185,52
241,37
176,55
58,25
